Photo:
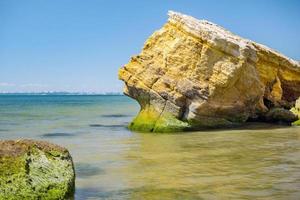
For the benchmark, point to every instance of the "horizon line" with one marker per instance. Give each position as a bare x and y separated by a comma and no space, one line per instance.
61,93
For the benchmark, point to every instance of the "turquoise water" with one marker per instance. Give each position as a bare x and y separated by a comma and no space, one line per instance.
258,161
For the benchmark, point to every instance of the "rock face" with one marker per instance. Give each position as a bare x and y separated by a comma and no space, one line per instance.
35,170
193,74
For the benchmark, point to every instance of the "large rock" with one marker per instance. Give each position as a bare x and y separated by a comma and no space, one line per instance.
193,73
35,170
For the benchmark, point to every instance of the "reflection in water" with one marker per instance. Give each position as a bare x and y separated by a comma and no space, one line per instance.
235,164
255,162
138,193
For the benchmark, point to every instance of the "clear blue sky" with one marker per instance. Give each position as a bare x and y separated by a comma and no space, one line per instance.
72,45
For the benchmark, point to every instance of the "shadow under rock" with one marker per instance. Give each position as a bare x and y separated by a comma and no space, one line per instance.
115,115
109,125
86,170
50,135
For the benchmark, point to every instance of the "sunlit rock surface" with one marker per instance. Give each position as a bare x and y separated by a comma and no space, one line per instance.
194,74
35,170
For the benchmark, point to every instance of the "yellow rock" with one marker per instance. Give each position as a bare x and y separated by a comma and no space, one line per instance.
200,75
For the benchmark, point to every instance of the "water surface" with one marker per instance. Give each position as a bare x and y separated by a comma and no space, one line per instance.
254,162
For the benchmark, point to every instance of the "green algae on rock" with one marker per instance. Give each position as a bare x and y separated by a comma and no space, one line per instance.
149,120
296,123
193,74
32,169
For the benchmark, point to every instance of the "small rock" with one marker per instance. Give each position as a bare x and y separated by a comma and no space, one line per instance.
32,169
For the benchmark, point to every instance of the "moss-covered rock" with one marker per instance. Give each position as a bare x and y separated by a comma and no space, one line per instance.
149,120
168,123
145,120
35,170
296,123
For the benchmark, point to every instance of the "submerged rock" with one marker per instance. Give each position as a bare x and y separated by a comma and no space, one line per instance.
193,74
35,170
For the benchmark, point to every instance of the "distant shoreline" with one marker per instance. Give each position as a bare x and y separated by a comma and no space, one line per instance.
62,94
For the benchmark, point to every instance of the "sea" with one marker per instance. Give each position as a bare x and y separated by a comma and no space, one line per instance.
256,161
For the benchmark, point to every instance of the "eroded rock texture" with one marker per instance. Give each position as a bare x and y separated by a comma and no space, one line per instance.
35,170
193,74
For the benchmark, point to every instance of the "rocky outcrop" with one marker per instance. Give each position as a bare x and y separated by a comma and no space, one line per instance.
35,170
193,74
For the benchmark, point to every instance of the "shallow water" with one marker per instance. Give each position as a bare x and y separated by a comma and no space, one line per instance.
257,162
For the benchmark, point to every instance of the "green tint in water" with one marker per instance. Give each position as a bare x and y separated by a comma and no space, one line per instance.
258,162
